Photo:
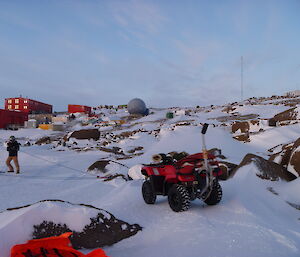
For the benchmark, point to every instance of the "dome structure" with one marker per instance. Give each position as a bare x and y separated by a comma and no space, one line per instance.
137,106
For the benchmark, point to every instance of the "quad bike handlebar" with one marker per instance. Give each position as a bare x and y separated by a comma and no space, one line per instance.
204,128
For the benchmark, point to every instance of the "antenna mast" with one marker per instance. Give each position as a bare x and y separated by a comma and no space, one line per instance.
242,70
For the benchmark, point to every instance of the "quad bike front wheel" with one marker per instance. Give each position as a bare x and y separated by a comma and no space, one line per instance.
179,198
215,195
148,193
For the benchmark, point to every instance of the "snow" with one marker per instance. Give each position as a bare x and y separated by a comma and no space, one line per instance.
249,221
135,172
23,220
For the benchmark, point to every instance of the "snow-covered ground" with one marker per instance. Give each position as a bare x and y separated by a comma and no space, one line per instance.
249,221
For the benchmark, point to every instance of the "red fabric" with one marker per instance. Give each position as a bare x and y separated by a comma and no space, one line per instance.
59,246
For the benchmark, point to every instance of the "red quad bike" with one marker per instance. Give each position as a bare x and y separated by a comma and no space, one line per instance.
194,176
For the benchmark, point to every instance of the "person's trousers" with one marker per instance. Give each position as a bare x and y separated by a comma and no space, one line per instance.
16,162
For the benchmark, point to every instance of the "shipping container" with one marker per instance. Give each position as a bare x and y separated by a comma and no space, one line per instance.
27,105
74,108
12,119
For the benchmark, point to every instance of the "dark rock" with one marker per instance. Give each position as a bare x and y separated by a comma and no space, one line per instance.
290,156
295,156
43,141
138,148
104,230
115,150
268,169
244,137
227,169
86,134
285,154
99,165
242,126
290,114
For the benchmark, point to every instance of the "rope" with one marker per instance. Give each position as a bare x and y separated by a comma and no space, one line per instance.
43,159
64,166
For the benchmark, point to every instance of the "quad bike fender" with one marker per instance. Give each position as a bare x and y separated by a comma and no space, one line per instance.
168,171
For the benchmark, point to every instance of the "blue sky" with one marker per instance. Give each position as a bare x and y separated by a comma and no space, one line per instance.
167,52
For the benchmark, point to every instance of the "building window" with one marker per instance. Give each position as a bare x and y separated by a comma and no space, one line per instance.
17,101
25,107
16,106
9,107
25,101
9,101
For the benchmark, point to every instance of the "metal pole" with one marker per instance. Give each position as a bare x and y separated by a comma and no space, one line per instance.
242,64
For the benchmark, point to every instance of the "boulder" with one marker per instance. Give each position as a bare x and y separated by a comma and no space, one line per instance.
243,137
268,169
242,126
91,227
43,141
99,166
114,150
290,114
272,122
86,134
289,157
227,168
294,162
283,157
135,149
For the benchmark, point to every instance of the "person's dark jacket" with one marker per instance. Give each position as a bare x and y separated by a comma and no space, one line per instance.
13,148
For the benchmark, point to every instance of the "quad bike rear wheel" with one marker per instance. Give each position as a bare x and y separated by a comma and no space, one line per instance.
148,193
215,195
179,198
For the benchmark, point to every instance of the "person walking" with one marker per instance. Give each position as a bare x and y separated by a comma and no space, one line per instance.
13,147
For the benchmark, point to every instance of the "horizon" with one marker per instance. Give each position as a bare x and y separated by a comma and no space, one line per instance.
166,53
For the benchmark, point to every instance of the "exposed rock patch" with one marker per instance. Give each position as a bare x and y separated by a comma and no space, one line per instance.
290,114
86,134
227,169
242,126
268,169
289,157
135,149
43,141
243,137
99,166
103,230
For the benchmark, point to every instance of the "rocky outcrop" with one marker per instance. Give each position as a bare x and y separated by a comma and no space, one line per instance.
104,228
99,166
227,169
284,118
290,114
289,157
43,141
243,137
242,126
267,169
86,134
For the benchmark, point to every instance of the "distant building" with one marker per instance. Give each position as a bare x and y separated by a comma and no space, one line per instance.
74,108
12,119
27,105
293,93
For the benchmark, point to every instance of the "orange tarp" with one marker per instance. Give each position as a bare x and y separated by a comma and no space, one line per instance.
52,247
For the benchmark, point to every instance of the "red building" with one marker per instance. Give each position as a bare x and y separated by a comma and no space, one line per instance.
12,119
27,105
73,108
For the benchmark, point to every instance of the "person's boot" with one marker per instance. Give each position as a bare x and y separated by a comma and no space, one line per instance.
17,172
10,171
